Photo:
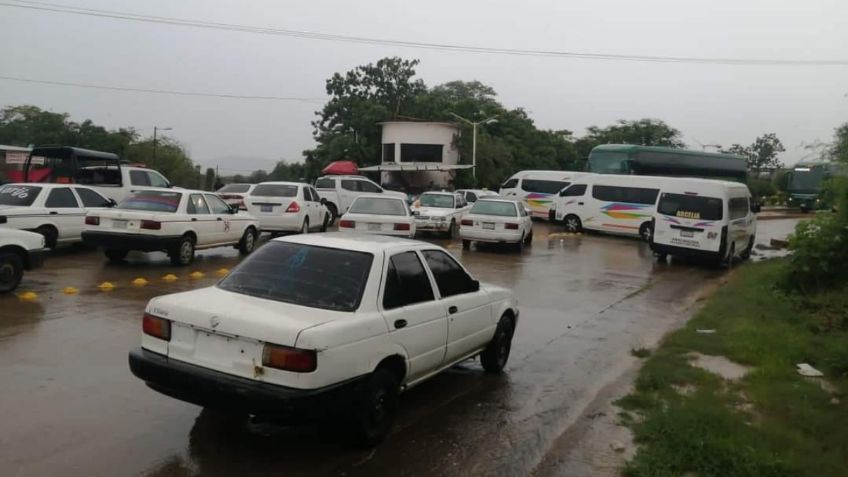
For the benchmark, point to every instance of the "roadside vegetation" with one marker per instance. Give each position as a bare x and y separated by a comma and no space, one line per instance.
769,317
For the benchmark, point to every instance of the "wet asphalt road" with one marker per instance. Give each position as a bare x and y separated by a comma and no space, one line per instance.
69,405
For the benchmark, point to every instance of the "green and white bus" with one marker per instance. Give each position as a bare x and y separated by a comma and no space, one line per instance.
806,184
665,161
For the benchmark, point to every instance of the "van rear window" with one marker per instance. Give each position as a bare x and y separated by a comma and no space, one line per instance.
690,206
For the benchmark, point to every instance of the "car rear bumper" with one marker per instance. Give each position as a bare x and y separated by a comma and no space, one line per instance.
35,258
684,252
490,235
280,223
209,388
144,243
429,225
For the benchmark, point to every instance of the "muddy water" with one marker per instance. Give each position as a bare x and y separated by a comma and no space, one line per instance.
69,405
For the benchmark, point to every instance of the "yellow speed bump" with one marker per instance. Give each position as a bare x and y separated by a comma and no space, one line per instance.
70,291
139,282
222,272
196,275
106,286
170,278
28,296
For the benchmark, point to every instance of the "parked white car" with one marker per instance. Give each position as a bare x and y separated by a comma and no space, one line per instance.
287,207
471,195
56,211
705,218
19,250
378,214
234,194
324,325
439,212
340,191
175,221
497,221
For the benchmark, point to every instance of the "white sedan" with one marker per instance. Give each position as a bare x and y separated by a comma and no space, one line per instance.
330,325
471,195
377,214
56,211
288,207
497,221
439,212
19,250
175,221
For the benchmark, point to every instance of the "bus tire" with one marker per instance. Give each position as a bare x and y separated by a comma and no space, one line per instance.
746,254
572,223
646,231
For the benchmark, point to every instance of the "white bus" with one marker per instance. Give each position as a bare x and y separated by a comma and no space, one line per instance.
609,203
536,189
705,219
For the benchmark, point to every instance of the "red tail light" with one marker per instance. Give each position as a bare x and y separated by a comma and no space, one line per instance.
509,226
467,222
347,224
92,220
293,208
289,359
401,226
151,225
156,327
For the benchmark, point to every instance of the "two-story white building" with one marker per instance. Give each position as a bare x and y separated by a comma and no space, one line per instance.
418,156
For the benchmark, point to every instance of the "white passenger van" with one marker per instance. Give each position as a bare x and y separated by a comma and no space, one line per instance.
706,219
536,189
609,203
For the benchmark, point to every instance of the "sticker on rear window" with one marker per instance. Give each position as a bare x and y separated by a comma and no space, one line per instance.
688,215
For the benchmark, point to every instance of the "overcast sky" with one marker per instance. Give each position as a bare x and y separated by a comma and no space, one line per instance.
710,104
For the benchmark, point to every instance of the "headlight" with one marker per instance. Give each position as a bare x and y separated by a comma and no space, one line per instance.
440,219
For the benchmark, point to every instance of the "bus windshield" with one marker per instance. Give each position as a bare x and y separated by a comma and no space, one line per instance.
690,206
806,179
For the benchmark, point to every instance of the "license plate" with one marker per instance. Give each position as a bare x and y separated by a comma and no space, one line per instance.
489,225
266,208
375,227
687,233
119,224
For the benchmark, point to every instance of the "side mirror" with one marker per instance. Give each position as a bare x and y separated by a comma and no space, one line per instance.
323,201
756,207
475,285
111,203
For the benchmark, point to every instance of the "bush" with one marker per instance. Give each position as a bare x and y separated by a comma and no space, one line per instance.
761,188
820,248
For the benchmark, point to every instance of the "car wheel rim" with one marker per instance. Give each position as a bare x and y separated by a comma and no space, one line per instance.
571,225
248,241
503,350
646,234
185,251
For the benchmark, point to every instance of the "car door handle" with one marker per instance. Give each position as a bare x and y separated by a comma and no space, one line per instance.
54,213
580,203
219,218
453,310
194,219
400,324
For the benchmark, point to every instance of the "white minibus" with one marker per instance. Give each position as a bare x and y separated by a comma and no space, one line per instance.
705,218
609,203
536,189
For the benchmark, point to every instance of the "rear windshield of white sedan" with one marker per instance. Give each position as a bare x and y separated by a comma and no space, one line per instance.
18,195
152,200
275,190
306,275
494,207
378,206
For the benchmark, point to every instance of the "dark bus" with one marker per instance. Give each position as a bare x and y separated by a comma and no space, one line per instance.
665,161
806,184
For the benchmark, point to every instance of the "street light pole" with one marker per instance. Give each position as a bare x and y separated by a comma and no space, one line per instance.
474,140
155,129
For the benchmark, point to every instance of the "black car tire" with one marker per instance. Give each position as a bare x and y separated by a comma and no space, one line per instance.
374,408
11,271
115,254
496,354
183,254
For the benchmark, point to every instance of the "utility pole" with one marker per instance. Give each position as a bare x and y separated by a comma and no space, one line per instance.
474,125
155,130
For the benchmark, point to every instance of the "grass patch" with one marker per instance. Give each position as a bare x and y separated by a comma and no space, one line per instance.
772,422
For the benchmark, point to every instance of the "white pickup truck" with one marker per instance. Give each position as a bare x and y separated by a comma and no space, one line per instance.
340,191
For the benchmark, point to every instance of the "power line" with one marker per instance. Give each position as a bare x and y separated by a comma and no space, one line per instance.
51,7
159,91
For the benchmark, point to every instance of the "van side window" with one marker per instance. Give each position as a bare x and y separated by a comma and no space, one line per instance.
406,282
738,207
348,184
633,195
325,183
577,190
156,179
139,178
510,184
370,187
542,186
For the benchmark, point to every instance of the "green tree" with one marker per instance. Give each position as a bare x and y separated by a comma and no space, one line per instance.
764,153
644,132
838,150
171,160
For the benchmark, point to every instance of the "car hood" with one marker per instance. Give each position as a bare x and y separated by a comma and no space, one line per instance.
434,211
241,315
393,193
27,240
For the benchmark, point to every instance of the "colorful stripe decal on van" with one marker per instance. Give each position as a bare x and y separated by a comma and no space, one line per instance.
625,211
535,199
